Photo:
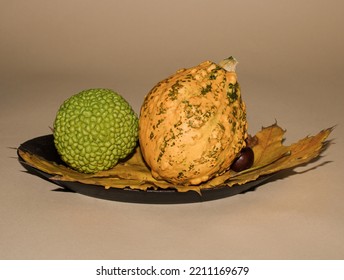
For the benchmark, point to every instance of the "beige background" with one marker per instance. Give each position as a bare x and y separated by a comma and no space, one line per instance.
291,70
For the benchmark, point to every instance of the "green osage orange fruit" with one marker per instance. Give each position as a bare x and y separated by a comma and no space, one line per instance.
94,129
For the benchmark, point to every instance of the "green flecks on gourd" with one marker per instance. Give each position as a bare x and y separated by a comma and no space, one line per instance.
193,124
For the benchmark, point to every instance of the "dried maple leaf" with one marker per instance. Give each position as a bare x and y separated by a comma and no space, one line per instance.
270,156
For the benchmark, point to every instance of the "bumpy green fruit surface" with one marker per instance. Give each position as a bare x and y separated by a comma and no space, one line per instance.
94,129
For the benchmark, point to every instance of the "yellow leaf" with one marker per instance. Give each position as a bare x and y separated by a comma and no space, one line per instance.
280,157
270,156
269,146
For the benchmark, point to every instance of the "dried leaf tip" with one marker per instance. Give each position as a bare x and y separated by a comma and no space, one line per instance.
229,64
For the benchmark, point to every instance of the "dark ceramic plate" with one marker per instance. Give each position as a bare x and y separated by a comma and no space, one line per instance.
44,147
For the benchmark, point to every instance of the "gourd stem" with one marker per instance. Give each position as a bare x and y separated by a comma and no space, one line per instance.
229,64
